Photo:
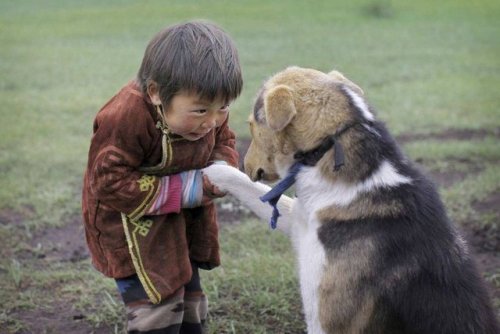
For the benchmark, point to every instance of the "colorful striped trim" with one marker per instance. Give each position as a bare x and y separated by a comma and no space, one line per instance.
169,196
192,188
162,197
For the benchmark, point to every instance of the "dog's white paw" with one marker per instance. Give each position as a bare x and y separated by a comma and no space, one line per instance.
224,177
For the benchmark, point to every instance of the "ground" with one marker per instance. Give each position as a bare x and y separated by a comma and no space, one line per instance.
66,244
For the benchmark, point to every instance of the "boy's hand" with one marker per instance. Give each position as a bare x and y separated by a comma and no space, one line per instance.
210,191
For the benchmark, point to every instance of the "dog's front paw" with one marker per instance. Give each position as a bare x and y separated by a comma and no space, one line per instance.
223,176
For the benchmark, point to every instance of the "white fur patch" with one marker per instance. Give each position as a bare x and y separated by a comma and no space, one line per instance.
311,260
359,103
317,193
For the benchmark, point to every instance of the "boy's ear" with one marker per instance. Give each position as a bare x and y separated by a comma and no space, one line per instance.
154,92
279,107
340,77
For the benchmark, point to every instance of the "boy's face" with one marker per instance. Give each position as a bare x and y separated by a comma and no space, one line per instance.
192,118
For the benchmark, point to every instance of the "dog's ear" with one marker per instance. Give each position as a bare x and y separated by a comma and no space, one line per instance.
279,107
340,77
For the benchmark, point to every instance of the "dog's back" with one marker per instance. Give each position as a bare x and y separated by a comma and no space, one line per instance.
419,277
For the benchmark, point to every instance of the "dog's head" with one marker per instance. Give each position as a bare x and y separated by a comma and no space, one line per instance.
294,111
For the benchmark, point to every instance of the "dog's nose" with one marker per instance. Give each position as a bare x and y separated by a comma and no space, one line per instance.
260,174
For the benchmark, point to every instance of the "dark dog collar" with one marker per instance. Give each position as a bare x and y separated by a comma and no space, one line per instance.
305,158
311,157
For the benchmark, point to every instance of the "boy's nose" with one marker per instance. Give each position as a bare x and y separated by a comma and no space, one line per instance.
210,123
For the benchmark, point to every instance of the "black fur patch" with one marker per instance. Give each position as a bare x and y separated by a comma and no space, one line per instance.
421,278
259,104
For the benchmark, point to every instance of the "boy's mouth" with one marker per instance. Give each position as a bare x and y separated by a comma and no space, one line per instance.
200,134
196,135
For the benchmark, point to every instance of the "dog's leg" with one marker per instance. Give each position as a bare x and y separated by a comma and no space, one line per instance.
238,184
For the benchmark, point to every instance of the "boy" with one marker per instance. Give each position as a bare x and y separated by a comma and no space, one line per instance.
149,219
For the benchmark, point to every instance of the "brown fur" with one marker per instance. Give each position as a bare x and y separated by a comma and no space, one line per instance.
261,152
364,206
343,305
323,109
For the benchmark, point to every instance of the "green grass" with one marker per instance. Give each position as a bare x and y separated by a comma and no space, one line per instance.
256,288
426,67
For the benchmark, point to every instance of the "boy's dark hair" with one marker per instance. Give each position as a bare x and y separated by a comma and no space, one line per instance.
196,56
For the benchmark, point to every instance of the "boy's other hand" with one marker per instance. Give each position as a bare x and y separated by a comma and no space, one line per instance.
210,191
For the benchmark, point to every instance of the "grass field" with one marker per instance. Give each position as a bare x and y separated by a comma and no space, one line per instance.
431,69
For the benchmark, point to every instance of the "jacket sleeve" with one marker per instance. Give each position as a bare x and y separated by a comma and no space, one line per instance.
225,145
121,140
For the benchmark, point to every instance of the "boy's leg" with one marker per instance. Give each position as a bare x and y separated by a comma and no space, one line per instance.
195,306
145,317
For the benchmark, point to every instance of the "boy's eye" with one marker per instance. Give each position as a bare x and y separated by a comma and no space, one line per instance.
225,108
200,111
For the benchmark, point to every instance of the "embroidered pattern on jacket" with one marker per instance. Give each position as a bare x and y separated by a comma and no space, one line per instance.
146,183
141,227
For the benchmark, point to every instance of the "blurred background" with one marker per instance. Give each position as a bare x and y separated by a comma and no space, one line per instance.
430,69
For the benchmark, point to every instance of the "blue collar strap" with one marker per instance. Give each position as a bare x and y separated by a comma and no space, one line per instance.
275,193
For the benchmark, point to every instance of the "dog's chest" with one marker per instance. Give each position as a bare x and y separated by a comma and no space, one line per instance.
310,258
310,251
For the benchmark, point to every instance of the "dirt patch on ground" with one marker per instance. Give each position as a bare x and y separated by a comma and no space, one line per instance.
484,228
456,170
484,240
10,216
66,243
59,319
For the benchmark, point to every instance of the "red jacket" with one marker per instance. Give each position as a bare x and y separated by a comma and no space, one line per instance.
120,186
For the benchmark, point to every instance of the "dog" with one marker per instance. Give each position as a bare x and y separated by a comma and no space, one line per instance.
376,252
